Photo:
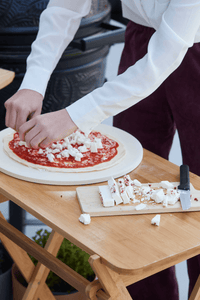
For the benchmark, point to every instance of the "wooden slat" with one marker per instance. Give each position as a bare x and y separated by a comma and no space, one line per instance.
42,255
3,198
23,262
6,77
40,272
110,281
195,295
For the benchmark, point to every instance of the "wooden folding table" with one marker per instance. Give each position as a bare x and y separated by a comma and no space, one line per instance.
123,249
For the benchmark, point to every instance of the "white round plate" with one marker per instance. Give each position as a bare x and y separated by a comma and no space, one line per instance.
133,157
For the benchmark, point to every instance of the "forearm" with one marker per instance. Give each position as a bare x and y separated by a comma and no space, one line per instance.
59,23
166,50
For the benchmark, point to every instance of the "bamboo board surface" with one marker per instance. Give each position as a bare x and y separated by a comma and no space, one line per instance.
90,203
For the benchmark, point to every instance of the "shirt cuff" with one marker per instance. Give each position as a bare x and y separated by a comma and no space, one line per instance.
86,114
36,79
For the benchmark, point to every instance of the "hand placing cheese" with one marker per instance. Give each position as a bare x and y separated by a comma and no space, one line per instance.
20,106
44,129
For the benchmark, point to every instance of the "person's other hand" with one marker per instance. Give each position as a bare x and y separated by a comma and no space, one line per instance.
23,104
44,129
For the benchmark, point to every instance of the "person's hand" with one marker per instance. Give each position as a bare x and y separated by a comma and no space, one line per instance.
23,104
44,129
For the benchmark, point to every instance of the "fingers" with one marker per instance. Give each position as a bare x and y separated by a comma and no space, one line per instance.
11,116
35,134
44,129
20,106
28,131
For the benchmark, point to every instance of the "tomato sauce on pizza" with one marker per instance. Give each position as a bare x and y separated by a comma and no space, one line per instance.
76,151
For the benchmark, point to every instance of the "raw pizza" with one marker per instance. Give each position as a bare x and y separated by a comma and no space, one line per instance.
76,153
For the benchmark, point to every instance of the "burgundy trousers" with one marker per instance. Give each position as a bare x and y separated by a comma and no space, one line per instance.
153,121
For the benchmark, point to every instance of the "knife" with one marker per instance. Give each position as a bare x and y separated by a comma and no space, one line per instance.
184,187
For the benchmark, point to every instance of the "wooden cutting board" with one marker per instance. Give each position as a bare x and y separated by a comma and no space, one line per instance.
90,203
6,77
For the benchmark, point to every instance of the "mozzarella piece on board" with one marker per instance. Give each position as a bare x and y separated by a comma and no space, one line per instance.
106,196
141,206
156,220
114,191
123,192
85,219
127,180
158,196
128,186
136,182
129,191
172,196
165,184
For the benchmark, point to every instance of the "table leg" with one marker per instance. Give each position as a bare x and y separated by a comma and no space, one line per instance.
110,280
92,289
40,272
42,255
24,263
195,295
3,198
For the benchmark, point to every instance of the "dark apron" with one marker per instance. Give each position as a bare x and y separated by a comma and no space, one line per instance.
153,121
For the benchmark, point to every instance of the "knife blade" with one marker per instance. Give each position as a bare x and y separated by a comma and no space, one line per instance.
184,187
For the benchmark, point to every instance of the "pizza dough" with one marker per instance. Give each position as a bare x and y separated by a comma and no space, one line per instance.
101,166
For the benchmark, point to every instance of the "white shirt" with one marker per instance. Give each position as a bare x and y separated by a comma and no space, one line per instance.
177,25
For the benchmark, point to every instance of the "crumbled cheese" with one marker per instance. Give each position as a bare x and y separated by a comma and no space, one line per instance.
50,157
40,151
55,150
172,196
98,143
114,191
136,201
127,180
105,196
85,219
145,190
87,143
129,191
158,196
73,151
67,140
136,182
123,192
141,206
22,143
78,156
83,149
93,147
59,146
54,145
156,220
48,150
165,184
64,153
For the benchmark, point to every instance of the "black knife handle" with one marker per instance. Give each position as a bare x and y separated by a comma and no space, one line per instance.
184,178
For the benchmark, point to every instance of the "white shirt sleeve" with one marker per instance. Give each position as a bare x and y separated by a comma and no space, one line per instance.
59,23
166,50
